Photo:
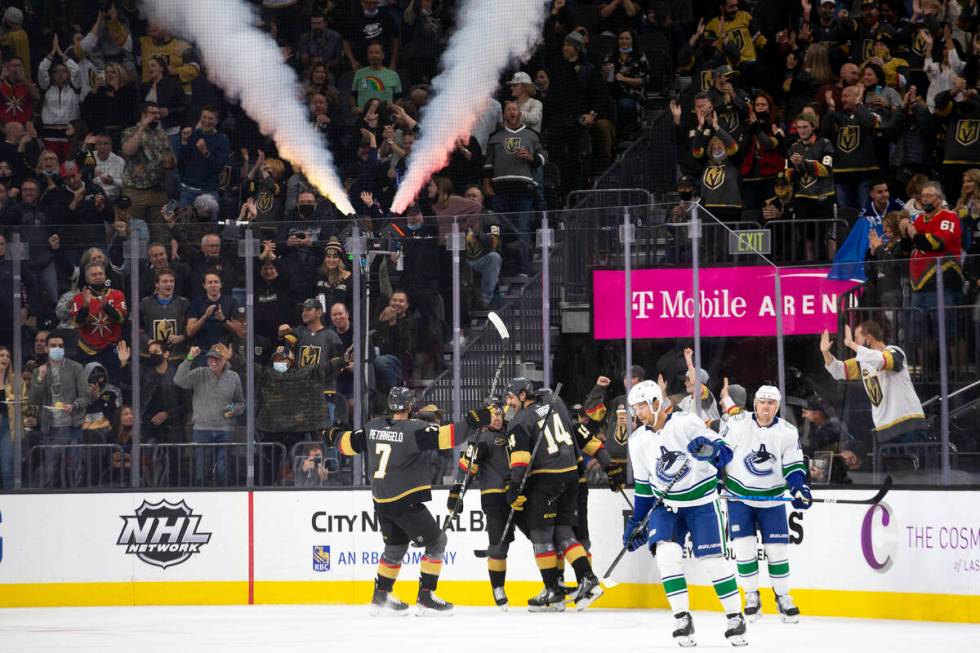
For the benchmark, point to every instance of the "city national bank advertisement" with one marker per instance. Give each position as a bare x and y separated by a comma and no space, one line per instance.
916,555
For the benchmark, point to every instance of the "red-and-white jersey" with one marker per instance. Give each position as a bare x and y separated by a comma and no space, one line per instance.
936,237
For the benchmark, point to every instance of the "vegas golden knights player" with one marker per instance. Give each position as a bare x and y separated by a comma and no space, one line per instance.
395,448
486,458
550,497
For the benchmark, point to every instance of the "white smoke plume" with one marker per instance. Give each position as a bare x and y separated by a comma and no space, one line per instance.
246,63
490,35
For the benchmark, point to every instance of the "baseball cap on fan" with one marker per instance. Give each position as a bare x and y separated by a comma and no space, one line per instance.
520,77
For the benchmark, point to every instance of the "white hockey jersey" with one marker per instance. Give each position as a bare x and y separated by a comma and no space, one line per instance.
763,456
709,407
658,456
895,408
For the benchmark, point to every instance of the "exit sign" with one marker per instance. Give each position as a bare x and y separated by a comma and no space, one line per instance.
750,241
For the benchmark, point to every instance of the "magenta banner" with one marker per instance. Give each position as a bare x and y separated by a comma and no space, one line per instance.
737,301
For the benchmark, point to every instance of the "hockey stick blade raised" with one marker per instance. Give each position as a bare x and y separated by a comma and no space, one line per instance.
499,325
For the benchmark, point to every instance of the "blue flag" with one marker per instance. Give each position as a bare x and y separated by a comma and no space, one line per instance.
849,261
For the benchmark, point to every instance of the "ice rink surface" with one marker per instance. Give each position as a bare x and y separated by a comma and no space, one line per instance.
246,629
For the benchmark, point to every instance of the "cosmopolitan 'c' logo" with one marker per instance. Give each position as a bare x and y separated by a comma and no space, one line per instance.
867,540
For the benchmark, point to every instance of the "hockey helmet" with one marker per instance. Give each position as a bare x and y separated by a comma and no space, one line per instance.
770,392
646,392
400,398
522,384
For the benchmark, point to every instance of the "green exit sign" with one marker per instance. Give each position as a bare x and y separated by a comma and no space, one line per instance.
750,241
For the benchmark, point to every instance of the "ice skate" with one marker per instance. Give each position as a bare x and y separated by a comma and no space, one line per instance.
753,606
429,605
386,604
549,599
735,629
500,598
788,612
684,629
588,591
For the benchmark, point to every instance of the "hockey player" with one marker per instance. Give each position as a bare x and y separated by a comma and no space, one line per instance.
399,470
675,460
486,458
767,459
550,497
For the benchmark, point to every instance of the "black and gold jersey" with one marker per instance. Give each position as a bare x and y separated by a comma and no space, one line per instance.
607,417
962,128
493,471
853,137
397,465
557,454
814,177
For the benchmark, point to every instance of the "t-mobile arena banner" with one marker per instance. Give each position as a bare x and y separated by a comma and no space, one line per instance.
736,301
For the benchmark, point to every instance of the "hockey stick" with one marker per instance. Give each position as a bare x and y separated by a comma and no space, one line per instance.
504,334
626,498
482,553
882,491
606,581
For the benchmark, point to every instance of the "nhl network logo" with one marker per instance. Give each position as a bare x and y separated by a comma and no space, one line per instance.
162,534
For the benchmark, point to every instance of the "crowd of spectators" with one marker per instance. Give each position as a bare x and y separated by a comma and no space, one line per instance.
127,175
117,140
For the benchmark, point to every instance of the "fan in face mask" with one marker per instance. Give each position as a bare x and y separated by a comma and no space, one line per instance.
282,360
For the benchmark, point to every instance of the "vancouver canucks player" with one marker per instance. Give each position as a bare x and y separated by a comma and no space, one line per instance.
675,460
767,460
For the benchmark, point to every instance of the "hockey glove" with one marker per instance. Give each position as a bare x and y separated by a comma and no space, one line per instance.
617,480
515,500
802,498
479,418
633,539
333,434
453,500
702,448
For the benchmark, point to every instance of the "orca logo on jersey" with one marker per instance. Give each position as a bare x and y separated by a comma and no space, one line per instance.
669,465
759,463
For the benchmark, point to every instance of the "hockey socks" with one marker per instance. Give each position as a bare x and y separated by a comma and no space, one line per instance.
387,573
778,563
747,560
723,580
430,568
669,561
497,567
576,554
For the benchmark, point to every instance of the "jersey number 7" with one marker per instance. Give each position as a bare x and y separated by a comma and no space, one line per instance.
383,450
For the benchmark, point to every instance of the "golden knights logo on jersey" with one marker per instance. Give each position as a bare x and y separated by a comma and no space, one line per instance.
714,177
807,179
737,36
163,329
512,144
309,356
919,44
264,203
729,120
705,80
872,386
848,138
622,435
967,131
760,463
